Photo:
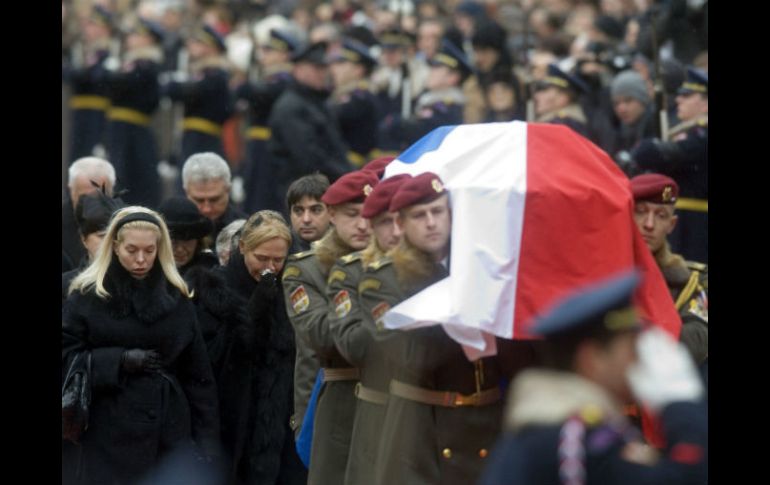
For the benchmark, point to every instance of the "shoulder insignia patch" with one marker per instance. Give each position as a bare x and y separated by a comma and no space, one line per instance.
699,306
342,303
336,275
375,265
369,284
378,312
301,255
591,414
349,258
299,300
290,271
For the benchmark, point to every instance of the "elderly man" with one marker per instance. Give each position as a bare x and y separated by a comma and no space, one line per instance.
85,176
206,180
655,196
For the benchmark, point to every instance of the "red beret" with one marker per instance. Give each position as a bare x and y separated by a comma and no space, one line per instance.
351,187
379,200
654,187
378,165
421,189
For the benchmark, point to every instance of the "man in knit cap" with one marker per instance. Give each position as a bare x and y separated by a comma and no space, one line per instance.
632,105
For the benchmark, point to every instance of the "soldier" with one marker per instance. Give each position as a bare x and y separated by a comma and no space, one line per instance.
684,157
441,105
655,197
556,100
309,216
304,281
352,103
89,99
274,58
353,335
206,181
134,95
443,412
565,423
206,96
305,138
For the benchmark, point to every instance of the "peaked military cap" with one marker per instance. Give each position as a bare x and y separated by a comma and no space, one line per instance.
378,201
420,189
394,38
605,304
314,53
209,36
655,188
696,81
101,15
148,27
354,51
351,187
452,57
560,79
281,41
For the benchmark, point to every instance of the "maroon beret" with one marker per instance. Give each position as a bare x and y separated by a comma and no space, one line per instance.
654,187
351,187
378,165
379,200
420,189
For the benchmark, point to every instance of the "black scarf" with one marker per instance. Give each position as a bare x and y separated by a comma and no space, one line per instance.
149,299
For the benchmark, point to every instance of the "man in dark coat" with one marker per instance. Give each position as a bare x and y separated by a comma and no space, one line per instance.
206,181
85,176
304,281
305,137
565,424
273,58
684,157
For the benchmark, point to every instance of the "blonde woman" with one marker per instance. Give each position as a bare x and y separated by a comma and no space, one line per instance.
152,386
255,374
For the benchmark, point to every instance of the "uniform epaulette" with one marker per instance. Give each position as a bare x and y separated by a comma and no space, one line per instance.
350,258
703,122
301,255
382,262
695,266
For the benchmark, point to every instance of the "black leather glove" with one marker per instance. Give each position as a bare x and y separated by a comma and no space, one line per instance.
138,360
264,294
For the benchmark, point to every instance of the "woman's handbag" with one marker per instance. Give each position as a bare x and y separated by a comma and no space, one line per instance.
76,397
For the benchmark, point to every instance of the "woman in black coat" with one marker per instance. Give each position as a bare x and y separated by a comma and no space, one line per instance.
153,391
255,373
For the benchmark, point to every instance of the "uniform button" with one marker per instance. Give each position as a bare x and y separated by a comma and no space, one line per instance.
483,453
447,453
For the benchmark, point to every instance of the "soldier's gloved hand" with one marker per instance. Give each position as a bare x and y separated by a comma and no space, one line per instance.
139,360
664,372
263,295
627,163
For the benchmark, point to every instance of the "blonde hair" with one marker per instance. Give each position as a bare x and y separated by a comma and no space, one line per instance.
263,226
93,276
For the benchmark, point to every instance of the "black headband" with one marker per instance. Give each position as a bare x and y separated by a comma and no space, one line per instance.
138,216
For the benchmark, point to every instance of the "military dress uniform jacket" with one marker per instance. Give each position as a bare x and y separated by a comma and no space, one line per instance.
434,109
572,116
355,109
257,170
445,442
353,335
134,95
684,157
564,429
304,138
88,104
305,282
207,105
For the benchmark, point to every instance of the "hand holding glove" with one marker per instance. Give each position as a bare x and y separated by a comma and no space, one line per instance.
140,360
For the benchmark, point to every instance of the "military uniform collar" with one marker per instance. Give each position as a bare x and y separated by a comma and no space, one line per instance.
150,53
702,120
549,397
573,111
283,67
452,95
218,62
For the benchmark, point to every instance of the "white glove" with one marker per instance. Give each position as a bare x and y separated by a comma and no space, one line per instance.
237,192
664,372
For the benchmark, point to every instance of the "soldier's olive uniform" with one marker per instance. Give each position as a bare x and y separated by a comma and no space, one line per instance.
305,282
443,413
353,334
688,283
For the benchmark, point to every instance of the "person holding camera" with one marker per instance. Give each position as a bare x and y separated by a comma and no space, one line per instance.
254,363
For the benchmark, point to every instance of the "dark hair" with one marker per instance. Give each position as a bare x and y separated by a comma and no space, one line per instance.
312,186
